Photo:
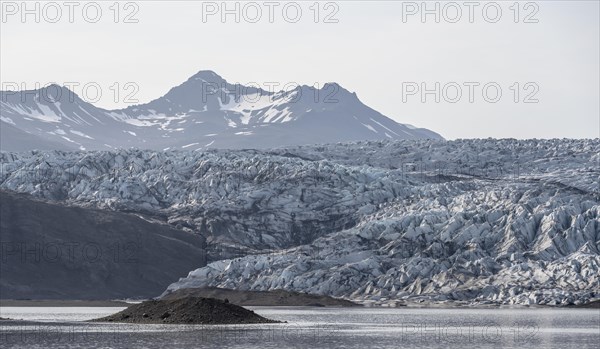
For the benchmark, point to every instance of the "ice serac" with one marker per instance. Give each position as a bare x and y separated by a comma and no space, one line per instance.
203,112
484,221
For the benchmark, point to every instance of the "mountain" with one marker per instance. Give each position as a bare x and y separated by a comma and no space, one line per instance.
56,115
55,251
481,221
203,112
14,139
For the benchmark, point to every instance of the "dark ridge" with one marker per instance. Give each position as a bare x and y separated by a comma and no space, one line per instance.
593,305
261,298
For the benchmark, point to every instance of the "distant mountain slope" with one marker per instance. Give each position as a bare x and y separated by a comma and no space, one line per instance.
14,139
55,113
203,112
52,251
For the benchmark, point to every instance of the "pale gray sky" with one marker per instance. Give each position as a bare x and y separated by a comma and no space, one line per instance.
371,50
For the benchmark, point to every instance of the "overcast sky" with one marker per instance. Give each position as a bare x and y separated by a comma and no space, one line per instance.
380,50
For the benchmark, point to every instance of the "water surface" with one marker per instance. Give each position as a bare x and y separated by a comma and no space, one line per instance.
314,328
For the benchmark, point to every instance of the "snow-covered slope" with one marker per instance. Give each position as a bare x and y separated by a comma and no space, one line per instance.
14,139
203,112
56,118
502,221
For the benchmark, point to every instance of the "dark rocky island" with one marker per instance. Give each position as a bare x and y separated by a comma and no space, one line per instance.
188,310
261,298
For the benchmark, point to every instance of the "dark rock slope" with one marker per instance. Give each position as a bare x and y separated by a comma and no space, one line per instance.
53,251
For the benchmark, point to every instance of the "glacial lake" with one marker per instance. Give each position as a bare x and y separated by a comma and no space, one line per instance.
432,328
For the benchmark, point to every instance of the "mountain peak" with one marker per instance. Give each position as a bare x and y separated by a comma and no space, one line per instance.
58,92
50,93
206,75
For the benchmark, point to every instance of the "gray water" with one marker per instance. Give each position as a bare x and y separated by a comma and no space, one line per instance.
314,328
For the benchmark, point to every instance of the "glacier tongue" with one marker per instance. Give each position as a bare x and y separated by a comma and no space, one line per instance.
485,221
418,252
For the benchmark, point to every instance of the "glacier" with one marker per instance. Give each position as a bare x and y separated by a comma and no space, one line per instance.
479,221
